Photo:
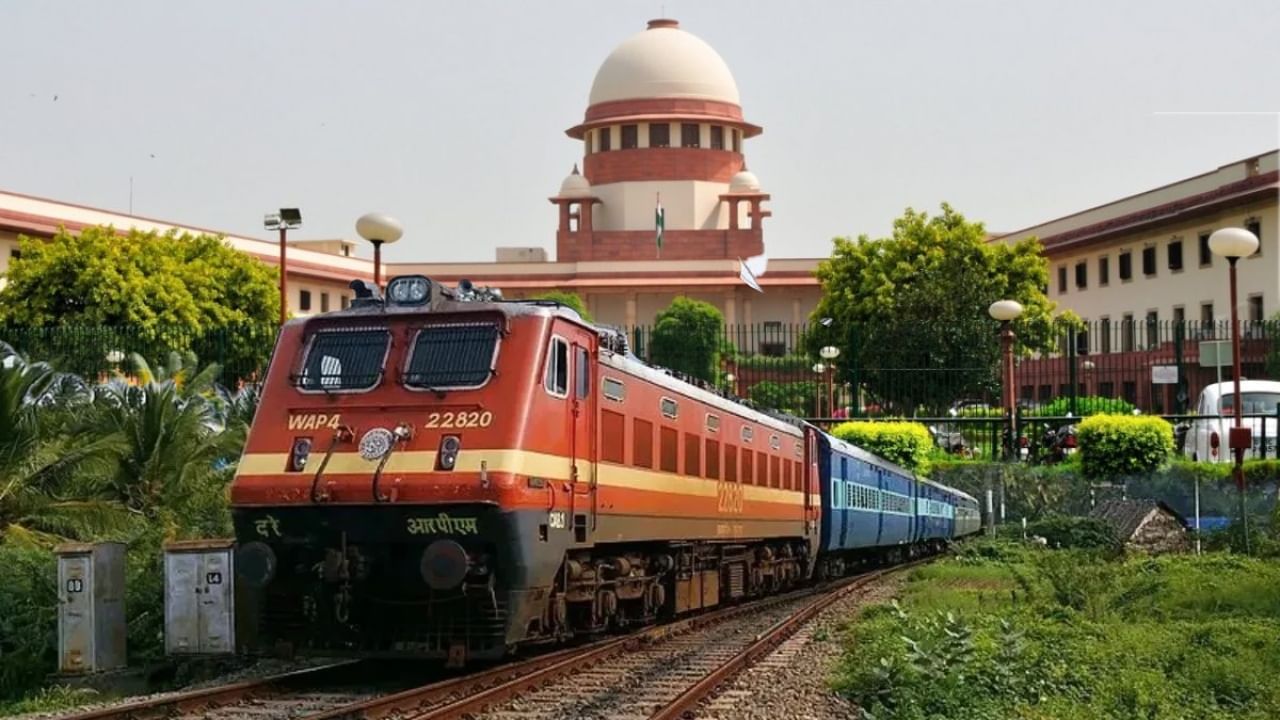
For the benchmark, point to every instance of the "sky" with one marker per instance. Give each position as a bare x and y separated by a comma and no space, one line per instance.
451,116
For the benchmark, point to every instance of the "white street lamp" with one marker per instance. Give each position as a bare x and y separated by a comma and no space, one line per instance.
378,229
829,352
1233,244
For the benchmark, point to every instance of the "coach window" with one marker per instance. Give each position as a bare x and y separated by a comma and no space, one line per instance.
614,389
344,360
669,408
583,380
557,374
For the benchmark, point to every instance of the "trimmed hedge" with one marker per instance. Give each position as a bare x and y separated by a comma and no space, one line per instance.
1085,406
1118,446
905,443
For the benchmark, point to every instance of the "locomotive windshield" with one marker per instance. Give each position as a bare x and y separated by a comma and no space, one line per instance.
344,360
452,356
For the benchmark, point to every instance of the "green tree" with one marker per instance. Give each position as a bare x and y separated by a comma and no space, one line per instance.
569,299
688,337
918,300
140,292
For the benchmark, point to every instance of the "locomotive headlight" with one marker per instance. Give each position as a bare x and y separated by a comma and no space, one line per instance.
409,290
301,450
448,456
376,443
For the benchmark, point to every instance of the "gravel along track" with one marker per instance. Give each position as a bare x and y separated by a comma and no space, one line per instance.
634,684
793,681
295,694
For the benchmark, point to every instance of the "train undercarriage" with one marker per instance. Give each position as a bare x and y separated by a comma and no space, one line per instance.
472,583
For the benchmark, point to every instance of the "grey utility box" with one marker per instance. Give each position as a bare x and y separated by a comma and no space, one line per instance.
199,597
91,623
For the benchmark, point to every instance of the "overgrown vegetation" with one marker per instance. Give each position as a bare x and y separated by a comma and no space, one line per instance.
1085,406
140,461
1003,631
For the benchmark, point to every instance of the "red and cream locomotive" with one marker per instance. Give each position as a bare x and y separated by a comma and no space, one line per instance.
442,473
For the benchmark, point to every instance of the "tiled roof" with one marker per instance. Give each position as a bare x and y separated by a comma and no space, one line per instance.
1125,516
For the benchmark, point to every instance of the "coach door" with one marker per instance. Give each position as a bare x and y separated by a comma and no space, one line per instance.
582,402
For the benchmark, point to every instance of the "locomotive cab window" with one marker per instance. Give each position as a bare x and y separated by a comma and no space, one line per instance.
557,374
583,383
452,356
344,360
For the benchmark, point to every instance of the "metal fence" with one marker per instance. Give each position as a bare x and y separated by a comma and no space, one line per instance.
1154,367
242,351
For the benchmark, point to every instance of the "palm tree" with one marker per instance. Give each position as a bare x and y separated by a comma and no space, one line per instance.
53,467
174,466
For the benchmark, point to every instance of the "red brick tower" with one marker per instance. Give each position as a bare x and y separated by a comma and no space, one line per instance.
663,123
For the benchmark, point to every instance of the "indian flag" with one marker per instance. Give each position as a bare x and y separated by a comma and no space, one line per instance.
659,223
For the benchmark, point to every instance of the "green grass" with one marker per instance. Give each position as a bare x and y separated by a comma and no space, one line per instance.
57,697
1002,631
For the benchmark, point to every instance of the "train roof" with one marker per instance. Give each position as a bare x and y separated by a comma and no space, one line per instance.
867,456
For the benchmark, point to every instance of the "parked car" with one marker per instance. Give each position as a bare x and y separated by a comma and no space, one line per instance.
1206,435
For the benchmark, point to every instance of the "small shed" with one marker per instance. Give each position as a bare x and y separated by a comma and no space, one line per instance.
1149,526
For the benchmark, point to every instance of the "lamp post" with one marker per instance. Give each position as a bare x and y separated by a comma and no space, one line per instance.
285,220
820,369
829,353
378,229
728,380
1233,244
1006,311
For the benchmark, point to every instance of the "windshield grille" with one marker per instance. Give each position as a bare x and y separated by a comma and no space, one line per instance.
452,356
344,360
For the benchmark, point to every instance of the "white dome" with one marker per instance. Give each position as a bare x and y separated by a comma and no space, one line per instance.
743,182
664,62
575,186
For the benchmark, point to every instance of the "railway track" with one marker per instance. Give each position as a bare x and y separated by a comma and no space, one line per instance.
662,672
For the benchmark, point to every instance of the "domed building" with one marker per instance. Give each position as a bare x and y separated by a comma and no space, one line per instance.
663,129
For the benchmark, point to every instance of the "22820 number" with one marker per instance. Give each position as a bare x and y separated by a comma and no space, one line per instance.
460,419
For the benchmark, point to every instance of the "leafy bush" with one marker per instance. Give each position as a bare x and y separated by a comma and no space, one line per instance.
28,625
905,443
1085,406
1118,446
1081,533
571,300
779,364
796,398
687,337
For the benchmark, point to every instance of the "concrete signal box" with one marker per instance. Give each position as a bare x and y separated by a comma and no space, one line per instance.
199,597
91,622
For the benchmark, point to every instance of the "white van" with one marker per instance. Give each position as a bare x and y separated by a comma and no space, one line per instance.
1216,410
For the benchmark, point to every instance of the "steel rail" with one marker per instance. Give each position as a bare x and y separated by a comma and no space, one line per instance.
460,697
687,702
193,700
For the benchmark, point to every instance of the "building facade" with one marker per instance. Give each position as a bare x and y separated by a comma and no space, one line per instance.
1144,259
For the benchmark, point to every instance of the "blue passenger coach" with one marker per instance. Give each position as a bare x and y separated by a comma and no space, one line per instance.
876,511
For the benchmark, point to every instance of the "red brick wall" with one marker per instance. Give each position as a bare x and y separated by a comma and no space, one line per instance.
675,163
676,245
